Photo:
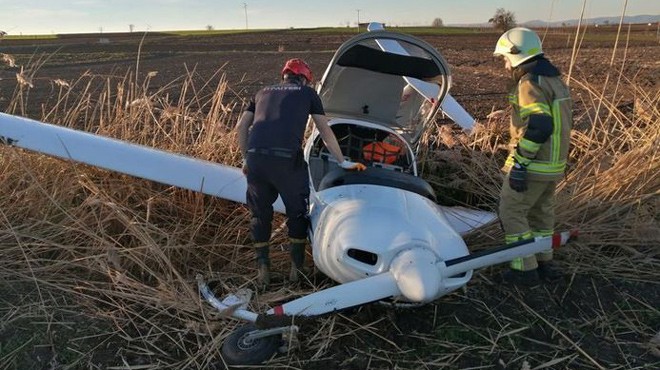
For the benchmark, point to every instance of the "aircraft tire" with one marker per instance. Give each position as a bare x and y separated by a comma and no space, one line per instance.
237,351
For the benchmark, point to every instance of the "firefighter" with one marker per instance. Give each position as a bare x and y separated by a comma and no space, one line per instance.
540,128
270,134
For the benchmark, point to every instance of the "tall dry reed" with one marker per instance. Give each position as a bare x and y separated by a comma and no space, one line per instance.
128,250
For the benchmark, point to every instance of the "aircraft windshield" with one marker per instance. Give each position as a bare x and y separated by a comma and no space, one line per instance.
396,89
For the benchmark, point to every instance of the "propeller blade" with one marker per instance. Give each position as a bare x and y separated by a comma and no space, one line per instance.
131,159
505,253
354,293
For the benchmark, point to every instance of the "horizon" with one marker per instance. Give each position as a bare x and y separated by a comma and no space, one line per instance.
33,17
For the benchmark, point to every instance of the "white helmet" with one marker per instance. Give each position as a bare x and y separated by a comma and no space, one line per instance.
518,45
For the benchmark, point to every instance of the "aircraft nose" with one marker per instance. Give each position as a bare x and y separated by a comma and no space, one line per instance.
417,276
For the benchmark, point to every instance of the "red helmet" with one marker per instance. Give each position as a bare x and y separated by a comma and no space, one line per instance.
297,67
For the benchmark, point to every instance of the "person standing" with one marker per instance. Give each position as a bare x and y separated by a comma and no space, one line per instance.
541,122
270,136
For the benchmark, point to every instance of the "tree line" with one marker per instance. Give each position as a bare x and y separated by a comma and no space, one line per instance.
502,20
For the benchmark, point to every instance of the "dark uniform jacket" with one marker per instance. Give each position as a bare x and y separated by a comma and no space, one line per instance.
280,116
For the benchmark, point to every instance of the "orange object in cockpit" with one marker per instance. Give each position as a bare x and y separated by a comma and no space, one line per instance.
379,151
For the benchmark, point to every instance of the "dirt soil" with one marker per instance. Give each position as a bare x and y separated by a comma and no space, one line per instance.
253,60
553,326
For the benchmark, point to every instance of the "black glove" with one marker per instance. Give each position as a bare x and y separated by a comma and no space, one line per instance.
518,177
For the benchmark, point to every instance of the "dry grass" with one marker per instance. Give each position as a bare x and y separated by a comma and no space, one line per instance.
79,245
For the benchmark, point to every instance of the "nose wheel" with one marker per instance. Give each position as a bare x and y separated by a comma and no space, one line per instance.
251,346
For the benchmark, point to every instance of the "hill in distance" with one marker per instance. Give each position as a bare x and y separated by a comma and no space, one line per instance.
632,19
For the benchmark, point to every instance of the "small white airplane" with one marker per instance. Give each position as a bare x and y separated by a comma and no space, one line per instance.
378,233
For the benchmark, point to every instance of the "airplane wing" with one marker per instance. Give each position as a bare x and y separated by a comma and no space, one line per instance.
430,91
136,160
463,220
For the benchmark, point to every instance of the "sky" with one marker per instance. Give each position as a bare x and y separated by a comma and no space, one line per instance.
88,16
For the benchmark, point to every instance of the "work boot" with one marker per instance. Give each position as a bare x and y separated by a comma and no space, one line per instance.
549,271
297,261
528,278
263,267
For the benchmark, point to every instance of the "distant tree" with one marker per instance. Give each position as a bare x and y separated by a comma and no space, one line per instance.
209,28
503,19
2,34
606,22
131,27
437,23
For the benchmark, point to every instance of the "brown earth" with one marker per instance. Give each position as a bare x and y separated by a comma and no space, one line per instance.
458,332
250,61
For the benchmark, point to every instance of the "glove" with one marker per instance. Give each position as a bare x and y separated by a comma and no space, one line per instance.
353,166
518,177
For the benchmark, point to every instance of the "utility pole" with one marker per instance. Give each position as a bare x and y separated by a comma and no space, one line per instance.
358,14
246,18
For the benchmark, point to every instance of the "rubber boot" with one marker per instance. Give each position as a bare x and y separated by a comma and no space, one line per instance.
263,267
549,271
297,261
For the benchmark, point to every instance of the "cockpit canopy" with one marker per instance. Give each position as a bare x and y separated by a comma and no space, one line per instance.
386,78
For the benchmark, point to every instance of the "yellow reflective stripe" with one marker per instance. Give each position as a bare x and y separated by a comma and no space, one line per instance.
517,264
260,244
556,131
521,159
511,238
533,51
546,167
526,263
297,241
529,145
542,168
534,108
513,99
542,233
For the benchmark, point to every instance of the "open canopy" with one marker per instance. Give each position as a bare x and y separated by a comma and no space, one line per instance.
398,87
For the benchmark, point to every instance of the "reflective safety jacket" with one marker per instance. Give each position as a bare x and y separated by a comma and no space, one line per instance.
541,121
